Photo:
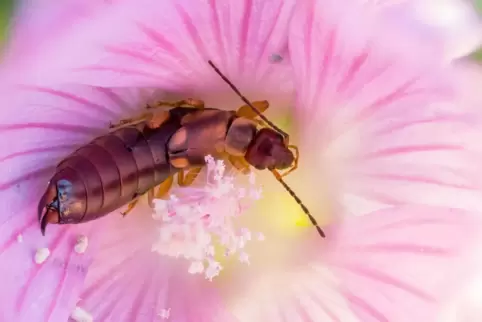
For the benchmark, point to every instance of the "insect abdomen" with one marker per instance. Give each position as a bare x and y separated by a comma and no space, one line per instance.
115,169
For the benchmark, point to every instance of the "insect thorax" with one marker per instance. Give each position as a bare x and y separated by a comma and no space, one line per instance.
202,133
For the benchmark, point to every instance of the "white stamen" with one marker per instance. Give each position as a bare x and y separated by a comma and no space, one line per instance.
213,270
41,255
244,258
81,245
160,206
210,251
241,243
252,178
246,234
256,194
19,238
197,218
196,268
241,193
81,315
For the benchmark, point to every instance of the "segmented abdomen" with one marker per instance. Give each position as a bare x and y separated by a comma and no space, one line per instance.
114,169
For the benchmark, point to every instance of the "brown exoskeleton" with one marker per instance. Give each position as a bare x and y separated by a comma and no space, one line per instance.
142,155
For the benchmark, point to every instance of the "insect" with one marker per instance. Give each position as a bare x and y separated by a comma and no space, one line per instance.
142,155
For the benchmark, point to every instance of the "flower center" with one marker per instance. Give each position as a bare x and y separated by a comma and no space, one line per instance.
207,225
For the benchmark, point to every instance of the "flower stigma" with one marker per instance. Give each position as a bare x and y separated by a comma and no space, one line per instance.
199,223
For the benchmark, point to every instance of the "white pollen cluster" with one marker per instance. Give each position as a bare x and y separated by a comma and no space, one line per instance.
165,314
81,315
41,255
194,219
81,244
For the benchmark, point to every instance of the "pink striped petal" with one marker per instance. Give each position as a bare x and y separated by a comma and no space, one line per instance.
407,259
396,265
46,291
167,44
39,126
384,119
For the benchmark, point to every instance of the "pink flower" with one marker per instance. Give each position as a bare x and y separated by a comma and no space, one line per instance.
388,141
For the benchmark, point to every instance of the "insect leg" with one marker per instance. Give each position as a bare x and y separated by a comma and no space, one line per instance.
130,206
295,163
157,118
240,164
130,121
164,187
150,198
248,112
190,102
187,179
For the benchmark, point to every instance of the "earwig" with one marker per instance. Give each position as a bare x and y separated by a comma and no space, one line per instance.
142,155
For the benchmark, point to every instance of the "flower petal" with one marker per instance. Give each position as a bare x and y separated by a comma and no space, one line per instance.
412,257
167,44
383,114
37,23
454,24
469,307
40,126
400,264
32,289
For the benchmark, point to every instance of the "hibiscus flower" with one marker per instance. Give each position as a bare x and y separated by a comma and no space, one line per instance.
390,165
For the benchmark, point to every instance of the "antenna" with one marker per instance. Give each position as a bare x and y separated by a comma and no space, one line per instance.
247,101
298,200
276,174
